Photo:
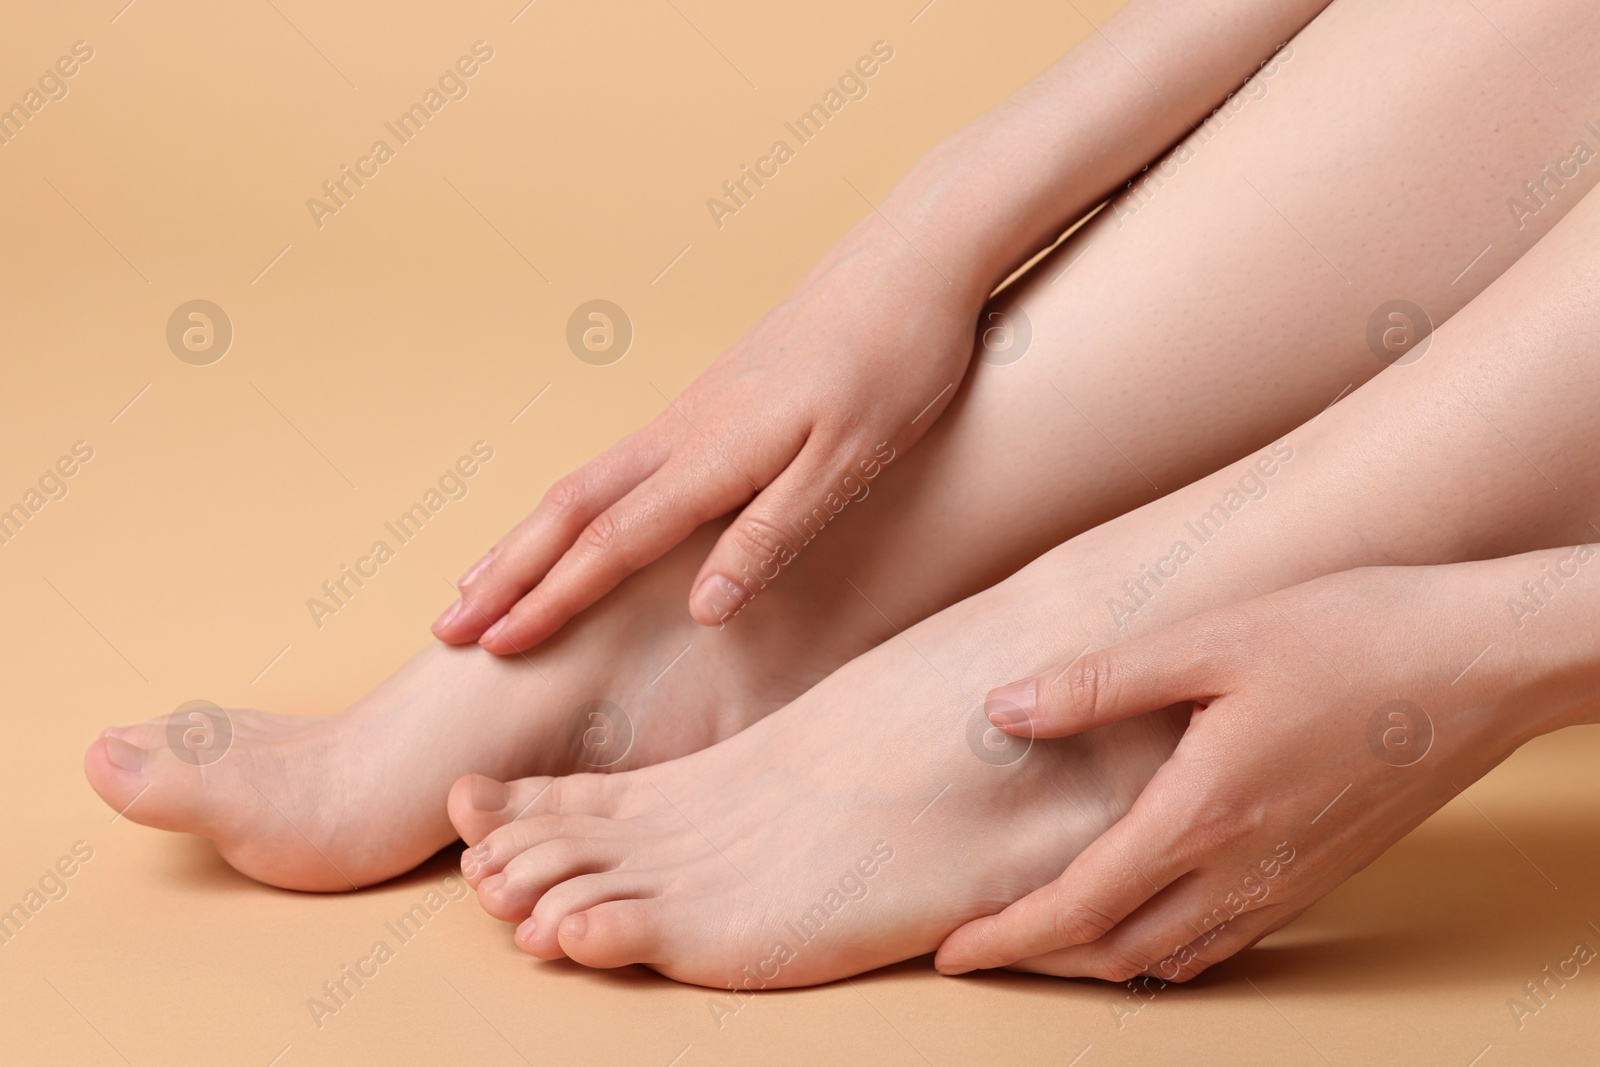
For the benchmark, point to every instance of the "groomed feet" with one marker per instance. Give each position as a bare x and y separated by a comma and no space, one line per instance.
853,829
337,802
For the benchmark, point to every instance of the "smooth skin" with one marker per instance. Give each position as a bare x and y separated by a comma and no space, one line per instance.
700,866
1181,328
873,343
1329,720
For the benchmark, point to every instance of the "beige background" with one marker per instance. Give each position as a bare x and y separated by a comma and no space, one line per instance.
369,354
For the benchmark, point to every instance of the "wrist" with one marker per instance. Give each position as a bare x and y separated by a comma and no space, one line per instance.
1542,609
911,257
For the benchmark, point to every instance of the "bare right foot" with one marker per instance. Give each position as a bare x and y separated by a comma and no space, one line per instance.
347,800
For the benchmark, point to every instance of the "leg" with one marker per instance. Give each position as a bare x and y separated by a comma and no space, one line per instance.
1188,370
866,820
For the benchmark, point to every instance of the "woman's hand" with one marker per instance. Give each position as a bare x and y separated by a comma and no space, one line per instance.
794,422
801,413
1329,720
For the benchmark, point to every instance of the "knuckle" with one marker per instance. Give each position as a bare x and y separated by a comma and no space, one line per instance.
568,496
1080,923
759,540
1087,685
602,535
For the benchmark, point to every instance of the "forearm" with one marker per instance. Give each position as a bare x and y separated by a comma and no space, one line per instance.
1546,609
986,199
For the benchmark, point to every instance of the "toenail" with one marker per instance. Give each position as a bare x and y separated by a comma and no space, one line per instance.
575,926
492,883
448,617
528,928
124,755
488,794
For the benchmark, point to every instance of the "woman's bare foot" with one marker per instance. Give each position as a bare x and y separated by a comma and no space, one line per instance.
854,829
347,800
354,798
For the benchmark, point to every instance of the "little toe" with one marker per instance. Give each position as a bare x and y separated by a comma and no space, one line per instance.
538,933
514,892
613,934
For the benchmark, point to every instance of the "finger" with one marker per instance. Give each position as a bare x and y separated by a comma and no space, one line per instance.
1118,872
770,532
524,555
637,530
1173,665
1165,940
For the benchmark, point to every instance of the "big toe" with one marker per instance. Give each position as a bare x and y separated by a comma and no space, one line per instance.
116,770
148,784
479,805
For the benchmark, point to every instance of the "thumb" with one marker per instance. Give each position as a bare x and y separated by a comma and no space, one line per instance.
1139,676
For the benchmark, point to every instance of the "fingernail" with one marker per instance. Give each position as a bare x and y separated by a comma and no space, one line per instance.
526,931
488,794
124,755
951,970
1012,705
448,617
116,731
472,571
573,927
716,599
491,883
494,631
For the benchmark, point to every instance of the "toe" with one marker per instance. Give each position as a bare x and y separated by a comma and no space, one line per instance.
513,893
537,935
479,805
613,934
116,770
491,855
150,785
